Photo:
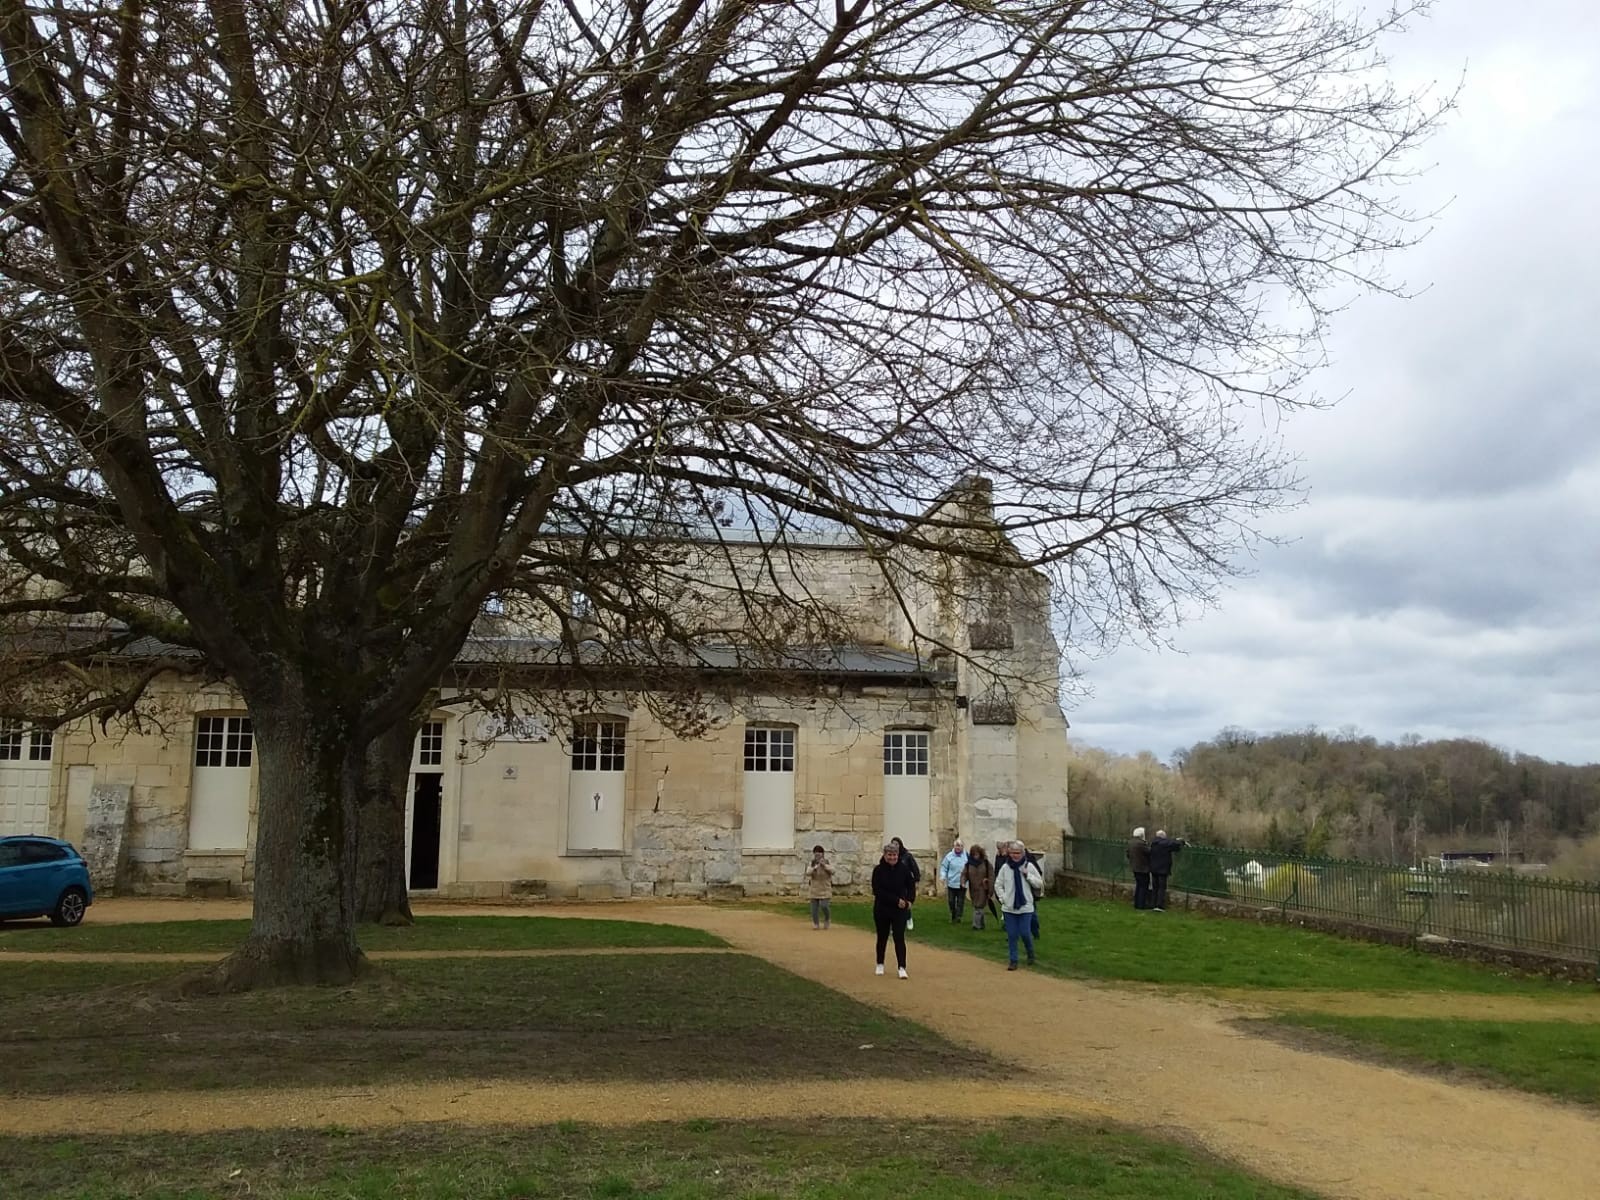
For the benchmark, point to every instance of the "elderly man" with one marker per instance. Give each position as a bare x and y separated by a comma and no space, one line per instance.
1161,852
950,868
1139,864
1014,884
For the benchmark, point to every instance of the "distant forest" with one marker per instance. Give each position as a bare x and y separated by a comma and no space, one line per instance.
1345,795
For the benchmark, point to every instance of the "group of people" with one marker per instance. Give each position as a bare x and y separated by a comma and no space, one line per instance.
1008,887
1151,864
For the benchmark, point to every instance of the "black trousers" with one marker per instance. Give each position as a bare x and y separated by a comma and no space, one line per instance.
958,902
891,921
1141,889
1158,890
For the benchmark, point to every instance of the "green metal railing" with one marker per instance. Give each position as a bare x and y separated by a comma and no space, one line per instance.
1481,906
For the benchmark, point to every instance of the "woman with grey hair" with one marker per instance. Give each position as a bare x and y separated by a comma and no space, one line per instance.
1014,883
894,890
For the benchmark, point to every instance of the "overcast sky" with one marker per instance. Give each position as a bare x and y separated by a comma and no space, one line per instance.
1443,577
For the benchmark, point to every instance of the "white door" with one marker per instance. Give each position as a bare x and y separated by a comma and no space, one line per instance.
769,789
219,801
596,789
24,779
906,790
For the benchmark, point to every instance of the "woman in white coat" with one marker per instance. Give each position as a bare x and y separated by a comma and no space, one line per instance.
1015,878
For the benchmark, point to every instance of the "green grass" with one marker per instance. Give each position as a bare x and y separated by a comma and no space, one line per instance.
98,1027
429,933
700,1160
1096,939
1558,1058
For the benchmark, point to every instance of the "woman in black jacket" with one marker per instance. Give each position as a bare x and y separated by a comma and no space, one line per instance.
894,890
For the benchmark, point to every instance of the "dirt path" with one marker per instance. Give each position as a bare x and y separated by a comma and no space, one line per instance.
1171,1065
1174,1065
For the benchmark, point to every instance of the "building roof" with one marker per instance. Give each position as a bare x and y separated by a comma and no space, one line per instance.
832,660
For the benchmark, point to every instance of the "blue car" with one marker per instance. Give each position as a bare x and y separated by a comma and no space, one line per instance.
43,877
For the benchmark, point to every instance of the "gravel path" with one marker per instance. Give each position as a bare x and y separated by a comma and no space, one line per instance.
1169,1065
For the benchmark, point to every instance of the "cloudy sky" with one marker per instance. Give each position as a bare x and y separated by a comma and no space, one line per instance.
1443,577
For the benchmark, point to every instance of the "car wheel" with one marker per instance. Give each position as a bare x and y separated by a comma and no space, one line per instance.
70,908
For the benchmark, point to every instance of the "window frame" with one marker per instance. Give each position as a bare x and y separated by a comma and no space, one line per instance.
224,740
907,752
430,744
770,749
599,744
21,743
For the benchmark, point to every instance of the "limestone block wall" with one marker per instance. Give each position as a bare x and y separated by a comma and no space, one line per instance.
155,763
831,589
684,818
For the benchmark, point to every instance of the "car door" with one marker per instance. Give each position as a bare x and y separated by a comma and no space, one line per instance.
11,878
43,864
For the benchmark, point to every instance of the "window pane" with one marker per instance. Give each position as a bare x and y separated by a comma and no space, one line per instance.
599,745
223,742
430,744
10,741
39,747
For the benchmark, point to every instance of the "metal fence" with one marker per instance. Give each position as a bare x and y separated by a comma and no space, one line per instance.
1484,907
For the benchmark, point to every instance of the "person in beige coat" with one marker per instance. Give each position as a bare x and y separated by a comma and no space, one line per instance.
819,881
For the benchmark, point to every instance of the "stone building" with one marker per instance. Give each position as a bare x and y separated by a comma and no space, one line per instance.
936,715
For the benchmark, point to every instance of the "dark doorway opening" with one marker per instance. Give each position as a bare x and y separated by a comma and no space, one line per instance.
426,797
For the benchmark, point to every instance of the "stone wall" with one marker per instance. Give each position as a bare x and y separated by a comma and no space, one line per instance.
154,762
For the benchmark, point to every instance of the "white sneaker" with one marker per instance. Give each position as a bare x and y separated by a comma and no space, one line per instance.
878,970
903,974
910,924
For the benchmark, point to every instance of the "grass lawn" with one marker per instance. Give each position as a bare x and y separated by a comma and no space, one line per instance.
1559,1058
429,933
1099,939
113,1026
702,1160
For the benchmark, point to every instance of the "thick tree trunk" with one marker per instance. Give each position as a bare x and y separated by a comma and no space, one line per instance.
376,781
303,929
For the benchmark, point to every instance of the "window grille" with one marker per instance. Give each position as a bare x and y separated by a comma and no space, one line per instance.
599,745
223,742
905,753
768,749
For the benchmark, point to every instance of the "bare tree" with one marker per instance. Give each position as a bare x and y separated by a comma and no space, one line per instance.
315,317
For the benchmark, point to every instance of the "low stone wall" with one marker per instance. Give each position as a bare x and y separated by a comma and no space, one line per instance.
702,854
1071,884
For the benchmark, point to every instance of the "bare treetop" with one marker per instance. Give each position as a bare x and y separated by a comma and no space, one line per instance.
314,315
